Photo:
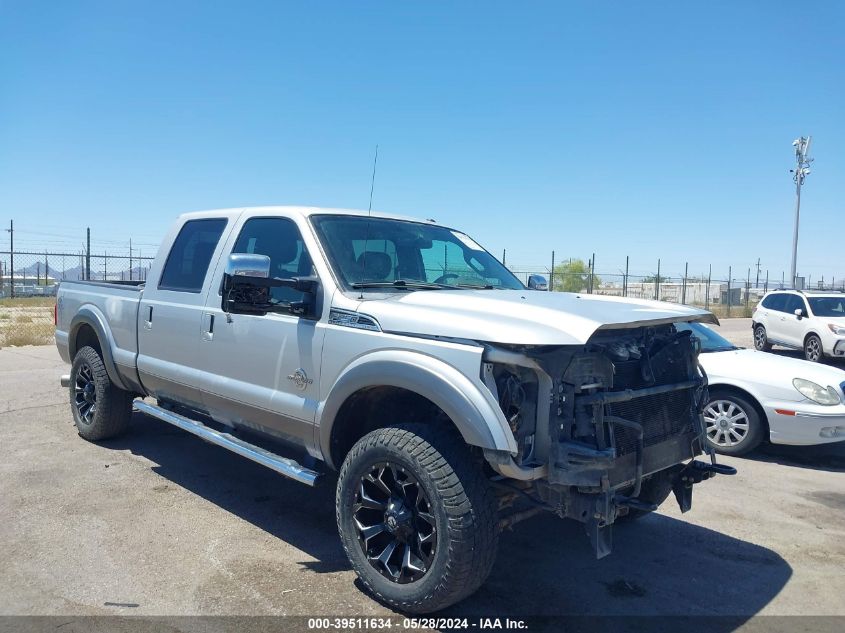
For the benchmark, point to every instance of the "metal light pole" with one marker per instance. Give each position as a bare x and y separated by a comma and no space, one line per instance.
802,168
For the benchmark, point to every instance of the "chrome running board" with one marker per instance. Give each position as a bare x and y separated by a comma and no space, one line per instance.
282,465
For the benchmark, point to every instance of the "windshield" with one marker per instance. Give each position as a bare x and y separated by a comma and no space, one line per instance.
403,255
710,340
828,306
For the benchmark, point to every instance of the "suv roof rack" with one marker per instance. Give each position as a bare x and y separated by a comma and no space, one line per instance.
809,291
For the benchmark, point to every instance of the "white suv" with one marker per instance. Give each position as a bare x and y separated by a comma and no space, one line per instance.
810,321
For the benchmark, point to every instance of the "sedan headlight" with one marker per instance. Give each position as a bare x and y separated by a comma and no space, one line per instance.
836,329
827,396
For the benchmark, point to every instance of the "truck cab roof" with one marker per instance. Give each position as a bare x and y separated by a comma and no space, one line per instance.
301,211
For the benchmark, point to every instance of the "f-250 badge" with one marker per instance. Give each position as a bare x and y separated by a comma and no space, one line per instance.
300,379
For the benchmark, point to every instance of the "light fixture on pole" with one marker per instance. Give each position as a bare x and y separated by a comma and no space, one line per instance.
802,168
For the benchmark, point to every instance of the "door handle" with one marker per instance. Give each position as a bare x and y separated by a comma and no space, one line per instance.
148,323
208,327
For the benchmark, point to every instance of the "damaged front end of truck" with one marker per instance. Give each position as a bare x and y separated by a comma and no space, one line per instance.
604,430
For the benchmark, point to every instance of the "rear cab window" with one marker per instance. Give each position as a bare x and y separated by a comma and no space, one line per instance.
187,263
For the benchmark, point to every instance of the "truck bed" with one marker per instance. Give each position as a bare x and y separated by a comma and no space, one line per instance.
113,305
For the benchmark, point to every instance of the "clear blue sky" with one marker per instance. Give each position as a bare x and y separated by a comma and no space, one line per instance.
649,129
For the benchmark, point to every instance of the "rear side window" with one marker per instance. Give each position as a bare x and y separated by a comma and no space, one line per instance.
775,302
187,263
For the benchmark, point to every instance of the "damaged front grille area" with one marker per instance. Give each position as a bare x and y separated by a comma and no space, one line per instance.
628,391
662,416
615,420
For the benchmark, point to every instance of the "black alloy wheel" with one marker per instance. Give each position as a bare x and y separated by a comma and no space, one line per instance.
396,529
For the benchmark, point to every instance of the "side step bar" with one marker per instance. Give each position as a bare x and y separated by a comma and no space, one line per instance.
282,465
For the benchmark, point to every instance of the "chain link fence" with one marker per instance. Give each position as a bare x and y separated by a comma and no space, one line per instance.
726,297
29,281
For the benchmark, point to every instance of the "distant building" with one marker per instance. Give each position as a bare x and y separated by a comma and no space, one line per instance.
696,293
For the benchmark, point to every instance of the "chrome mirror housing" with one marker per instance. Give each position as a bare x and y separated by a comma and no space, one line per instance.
248,265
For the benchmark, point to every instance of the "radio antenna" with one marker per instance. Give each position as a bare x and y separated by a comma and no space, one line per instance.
373,181
369,214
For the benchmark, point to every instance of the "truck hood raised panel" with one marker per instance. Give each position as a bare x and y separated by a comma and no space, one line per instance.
519,317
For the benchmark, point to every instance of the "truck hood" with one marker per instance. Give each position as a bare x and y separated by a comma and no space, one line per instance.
519,317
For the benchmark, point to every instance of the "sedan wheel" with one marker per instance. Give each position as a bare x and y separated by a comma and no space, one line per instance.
727,424
732,424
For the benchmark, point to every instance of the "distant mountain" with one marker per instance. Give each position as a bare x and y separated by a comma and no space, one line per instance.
71,273
35,270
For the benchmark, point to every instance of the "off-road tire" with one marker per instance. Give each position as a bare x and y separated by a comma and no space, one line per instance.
654,490
756,427
113,408
761,341
813,349
461,501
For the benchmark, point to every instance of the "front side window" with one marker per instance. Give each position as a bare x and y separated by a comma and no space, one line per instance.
828,306
793,303
189,257
281,241
399,253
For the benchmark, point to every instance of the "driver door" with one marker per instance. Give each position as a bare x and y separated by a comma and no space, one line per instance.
263,370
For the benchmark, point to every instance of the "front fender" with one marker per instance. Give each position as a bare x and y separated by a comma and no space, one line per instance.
471,407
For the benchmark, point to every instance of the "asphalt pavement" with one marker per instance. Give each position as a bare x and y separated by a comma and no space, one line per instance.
159,523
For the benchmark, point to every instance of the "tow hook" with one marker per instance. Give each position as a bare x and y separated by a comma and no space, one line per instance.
695,472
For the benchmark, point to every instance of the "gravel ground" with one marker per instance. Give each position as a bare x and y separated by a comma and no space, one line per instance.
160,523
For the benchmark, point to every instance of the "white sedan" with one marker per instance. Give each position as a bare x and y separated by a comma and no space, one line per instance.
757,396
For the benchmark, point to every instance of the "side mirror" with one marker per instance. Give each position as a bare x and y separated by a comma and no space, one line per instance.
799,312
248,265
537,282
247,283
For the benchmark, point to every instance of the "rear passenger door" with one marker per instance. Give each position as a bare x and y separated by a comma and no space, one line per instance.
773,316
170,311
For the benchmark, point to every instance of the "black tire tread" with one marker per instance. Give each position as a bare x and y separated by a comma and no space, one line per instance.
465,495
114,405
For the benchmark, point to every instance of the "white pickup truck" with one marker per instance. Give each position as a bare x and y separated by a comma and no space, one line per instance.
453,400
